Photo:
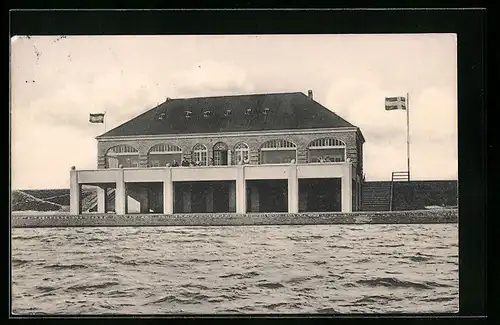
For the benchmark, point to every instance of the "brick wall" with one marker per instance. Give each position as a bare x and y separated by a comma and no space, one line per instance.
418,194
229,219
254,142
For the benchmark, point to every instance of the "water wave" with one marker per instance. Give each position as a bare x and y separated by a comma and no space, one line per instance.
240,275
270,285
86,287
417,258
19,262
27,237
397,283
304,238
65,266
376,299
287,269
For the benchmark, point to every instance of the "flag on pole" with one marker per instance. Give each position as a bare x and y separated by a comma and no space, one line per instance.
392,103
96,118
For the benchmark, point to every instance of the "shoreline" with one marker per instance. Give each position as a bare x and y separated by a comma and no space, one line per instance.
61,219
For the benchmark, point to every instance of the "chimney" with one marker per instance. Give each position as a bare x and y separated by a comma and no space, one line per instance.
310,94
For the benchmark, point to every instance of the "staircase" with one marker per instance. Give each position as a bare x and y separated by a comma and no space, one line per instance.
89,203
376,196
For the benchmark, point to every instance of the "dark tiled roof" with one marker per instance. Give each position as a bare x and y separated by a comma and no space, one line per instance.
286,111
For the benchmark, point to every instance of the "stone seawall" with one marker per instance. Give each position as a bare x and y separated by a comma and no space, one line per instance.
232,219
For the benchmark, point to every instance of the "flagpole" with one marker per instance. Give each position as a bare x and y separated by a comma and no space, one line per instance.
104,121
408,132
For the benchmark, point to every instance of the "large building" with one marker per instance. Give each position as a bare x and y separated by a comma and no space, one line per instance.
280,152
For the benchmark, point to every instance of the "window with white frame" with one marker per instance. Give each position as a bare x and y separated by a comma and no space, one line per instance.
200,154
241,152
327,150
122,154
278,151
162,154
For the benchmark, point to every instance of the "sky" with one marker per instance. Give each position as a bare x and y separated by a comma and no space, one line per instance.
56,81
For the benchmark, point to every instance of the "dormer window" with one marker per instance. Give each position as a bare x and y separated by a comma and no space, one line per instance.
249,111
266,111
228,112
207,113
188,114
161,116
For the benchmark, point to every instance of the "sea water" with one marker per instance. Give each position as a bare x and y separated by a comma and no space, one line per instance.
246,269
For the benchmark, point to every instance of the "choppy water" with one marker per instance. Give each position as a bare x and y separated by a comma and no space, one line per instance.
261,269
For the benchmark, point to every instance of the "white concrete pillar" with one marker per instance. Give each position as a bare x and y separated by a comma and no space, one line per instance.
168,193
120,195
241,199
102,199
346,187
229,153
186,199
210,199
254,199
293,189
232,197
74,193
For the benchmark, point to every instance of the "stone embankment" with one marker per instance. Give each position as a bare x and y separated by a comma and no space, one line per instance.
20,220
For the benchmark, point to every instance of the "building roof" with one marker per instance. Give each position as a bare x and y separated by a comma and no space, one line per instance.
239,113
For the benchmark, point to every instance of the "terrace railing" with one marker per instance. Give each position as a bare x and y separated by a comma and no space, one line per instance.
397,176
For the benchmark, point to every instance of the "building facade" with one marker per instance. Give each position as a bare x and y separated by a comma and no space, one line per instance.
251,153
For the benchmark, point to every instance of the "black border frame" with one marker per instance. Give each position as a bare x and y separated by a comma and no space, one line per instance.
470,28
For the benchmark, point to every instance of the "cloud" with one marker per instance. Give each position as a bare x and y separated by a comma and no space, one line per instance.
44,156
207,78
433,127
58,122
428,161
361,101
119,96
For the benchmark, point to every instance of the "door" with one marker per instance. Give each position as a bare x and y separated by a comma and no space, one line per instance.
220,150
220,157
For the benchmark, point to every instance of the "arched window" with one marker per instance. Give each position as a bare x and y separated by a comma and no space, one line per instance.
241,152
327,149
220,154
278,151
200,154
162,154
122,154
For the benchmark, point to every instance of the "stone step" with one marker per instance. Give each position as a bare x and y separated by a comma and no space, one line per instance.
376,201
376,197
